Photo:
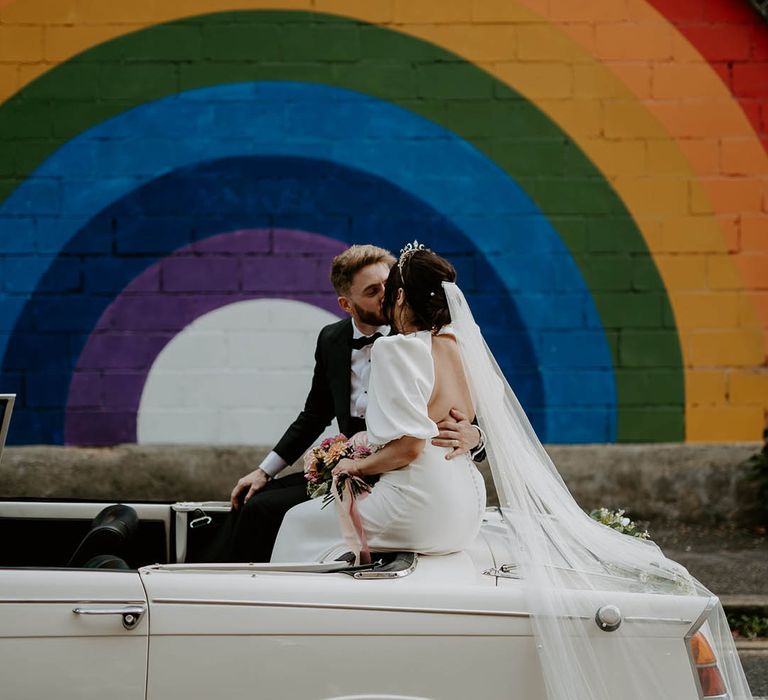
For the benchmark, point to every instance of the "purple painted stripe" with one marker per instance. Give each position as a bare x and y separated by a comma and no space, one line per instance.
106,386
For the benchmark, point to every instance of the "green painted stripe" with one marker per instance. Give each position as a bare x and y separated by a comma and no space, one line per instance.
531,148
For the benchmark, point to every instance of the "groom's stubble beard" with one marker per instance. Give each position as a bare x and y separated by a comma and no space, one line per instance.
370,318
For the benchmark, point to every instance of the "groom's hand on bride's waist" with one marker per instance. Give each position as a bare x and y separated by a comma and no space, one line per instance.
458,433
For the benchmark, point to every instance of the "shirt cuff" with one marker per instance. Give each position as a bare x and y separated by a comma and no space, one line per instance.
273,464
480,445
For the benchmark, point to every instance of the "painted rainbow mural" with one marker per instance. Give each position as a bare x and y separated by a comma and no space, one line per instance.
598,173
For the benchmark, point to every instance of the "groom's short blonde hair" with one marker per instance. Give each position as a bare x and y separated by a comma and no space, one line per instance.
347,264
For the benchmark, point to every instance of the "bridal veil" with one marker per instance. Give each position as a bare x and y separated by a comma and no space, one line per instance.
565,559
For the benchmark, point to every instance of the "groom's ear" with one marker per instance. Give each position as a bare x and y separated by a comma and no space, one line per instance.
344,304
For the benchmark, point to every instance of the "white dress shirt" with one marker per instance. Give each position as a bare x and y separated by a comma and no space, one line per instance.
360,374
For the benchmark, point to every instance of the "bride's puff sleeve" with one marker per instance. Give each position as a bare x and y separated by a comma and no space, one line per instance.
401,382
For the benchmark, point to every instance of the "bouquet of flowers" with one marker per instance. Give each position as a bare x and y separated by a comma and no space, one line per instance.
320,460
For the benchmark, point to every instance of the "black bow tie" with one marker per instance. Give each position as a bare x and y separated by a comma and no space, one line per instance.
362,341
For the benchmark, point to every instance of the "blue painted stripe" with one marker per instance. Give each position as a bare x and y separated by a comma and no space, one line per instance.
313,121
196,202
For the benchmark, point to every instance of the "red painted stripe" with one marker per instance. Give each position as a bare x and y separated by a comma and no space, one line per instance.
734,40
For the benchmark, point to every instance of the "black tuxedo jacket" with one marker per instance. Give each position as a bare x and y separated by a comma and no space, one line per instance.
329,395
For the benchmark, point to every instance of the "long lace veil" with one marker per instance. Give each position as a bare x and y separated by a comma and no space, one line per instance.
569,564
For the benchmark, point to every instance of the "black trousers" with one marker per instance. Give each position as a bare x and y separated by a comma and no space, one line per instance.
248,534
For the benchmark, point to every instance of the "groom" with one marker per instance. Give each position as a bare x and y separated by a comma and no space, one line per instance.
339,390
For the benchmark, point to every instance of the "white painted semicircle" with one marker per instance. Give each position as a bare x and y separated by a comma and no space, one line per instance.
237,375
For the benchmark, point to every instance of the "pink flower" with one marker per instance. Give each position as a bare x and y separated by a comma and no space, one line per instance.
359,439
309,460
325,444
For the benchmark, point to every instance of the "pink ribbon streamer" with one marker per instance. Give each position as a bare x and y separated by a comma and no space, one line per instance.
351,524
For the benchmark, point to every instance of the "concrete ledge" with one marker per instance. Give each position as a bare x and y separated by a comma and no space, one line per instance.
698,483
745,602
126,472
746,605
659,482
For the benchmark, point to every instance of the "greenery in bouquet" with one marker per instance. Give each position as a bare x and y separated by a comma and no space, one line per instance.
319,462
618,521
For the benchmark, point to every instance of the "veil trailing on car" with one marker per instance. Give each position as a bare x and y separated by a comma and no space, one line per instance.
569,564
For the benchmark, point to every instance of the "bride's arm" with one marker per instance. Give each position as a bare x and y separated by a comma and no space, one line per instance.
394,455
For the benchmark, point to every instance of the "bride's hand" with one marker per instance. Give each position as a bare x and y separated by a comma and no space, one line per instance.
346,466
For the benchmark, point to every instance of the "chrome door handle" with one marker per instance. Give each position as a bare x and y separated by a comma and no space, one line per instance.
131,614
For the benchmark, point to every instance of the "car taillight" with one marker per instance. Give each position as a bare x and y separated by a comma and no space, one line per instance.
705,663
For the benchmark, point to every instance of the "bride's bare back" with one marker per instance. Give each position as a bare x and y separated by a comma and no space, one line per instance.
451,389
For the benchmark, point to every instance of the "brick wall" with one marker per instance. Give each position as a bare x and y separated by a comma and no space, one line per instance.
597,173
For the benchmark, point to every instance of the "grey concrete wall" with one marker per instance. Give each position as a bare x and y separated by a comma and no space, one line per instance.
665,482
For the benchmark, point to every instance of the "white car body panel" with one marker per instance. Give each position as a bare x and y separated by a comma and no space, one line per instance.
447,630
328,636
47,651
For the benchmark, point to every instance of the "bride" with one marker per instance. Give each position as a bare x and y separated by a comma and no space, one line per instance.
567,564
421,502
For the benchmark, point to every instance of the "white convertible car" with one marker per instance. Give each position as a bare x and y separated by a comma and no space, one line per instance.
97,601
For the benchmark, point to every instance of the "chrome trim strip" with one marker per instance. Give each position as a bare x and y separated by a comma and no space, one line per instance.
507,568
191,506
68,601
248,567
76,636
362,634
700,620
337,606
370,575
670,620
373,574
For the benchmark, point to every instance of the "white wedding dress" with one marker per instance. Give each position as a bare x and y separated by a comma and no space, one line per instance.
431,506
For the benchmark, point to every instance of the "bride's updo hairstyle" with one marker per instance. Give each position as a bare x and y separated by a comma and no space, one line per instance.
420,273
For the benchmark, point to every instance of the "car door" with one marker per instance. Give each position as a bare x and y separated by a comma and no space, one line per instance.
239,634
72,634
